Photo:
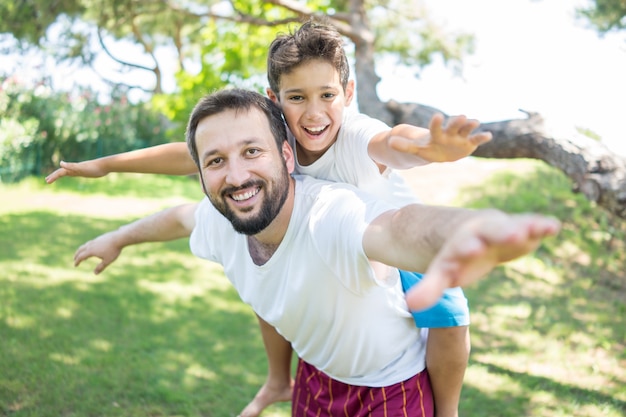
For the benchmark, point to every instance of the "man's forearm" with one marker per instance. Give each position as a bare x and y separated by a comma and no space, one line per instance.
170,224
409,238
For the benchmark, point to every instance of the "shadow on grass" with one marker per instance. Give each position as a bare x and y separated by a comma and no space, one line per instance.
504,403
158,333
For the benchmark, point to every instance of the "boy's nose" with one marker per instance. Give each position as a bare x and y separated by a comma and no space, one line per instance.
314,110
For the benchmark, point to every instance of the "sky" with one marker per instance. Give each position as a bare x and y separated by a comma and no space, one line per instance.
530,55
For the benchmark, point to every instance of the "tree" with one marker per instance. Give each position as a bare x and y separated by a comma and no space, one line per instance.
203,31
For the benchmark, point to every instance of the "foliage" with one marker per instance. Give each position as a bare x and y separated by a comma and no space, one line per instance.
28,20
606,15
161,333
225,60
41,127
217,43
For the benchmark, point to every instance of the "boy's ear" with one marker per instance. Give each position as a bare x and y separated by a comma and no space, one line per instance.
271,95
349,92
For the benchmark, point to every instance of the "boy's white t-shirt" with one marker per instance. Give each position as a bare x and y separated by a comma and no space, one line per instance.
348,161
319,290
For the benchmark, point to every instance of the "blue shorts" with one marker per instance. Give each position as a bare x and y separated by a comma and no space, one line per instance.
451,310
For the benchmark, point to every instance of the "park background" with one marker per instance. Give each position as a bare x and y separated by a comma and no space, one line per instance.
161,333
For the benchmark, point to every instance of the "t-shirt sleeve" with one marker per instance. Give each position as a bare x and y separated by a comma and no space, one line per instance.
200,242
352,148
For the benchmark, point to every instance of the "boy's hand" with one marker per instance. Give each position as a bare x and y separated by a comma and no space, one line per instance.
103,247
446,143
475,249
88,169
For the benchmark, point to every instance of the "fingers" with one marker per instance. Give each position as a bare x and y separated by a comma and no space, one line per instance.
475,250
80,255
436,124
425,293
479,138
101,267
460,125
61,172
89,250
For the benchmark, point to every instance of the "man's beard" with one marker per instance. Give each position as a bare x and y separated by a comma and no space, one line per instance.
270,206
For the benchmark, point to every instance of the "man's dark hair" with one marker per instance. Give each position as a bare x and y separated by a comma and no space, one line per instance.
234,99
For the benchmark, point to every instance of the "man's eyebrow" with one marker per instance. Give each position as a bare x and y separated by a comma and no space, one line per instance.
243,142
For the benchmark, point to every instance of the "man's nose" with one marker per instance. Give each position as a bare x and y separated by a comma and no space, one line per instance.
237,173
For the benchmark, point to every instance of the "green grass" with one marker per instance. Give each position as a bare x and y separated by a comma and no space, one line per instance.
161,333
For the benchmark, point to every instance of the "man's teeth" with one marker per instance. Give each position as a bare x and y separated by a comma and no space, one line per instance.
244,196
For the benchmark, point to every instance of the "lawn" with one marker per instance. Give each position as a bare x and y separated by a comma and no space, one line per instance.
161,333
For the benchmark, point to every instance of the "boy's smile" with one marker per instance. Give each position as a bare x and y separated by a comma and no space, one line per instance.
313,102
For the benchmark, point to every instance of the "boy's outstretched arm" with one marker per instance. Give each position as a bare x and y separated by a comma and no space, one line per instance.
455,247
168,159
169,224
407,146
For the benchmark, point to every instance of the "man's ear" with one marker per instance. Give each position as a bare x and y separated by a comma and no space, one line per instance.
349,92
271,95
289,157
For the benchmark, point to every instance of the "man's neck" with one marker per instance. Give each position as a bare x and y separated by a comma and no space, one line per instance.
265,243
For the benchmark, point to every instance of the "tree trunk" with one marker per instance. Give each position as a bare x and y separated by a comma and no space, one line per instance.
596,171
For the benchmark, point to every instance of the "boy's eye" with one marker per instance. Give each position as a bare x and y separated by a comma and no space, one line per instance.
328,95
296,98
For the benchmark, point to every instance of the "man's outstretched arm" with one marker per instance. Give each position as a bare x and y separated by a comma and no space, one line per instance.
169,224
454,246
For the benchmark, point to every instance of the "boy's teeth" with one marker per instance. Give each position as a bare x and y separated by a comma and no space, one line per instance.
315,129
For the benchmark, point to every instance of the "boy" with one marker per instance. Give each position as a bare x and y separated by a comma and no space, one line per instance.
308,75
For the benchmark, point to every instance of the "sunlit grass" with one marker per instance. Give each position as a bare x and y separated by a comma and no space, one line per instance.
549,330
161,333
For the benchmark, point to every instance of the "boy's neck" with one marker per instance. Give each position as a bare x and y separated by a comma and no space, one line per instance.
305,157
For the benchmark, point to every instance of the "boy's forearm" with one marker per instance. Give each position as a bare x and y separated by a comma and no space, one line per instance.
390,149
168,159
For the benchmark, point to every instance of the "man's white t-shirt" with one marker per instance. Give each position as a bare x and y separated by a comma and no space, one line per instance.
348,161
319,290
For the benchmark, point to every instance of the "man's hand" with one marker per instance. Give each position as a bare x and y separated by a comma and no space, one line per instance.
88,169
476,248
103,247
446,143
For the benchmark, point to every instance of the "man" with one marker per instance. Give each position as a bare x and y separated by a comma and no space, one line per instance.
311,258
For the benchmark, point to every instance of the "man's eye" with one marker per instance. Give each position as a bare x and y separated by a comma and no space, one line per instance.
213,162
252,151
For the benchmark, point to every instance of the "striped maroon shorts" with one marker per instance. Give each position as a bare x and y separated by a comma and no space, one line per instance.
317,394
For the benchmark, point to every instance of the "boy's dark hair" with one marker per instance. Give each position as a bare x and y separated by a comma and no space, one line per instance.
315,39
239,100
